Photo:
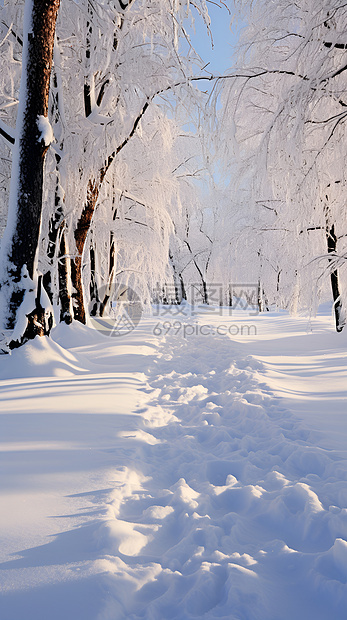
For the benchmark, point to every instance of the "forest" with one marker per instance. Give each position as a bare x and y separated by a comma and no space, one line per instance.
126,163
173,290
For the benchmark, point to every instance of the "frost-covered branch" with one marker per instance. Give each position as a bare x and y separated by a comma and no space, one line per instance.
7,132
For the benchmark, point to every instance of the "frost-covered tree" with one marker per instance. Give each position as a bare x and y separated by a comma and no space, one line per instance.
31,140
192,246
285,116
141,197
111,59
128,59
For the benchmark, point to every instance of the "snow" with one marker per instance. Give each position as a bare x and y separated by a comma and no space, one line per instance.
151,477
45,130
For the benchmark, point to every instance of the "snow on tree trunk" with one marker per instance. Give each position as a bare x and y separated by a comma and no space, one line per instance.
23,312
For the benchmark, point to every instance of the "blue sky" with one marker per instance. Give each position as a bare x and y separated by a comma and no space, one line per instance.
220,57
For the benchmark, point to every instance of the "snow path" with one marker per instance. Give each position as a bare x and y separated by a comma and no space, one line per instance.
193,491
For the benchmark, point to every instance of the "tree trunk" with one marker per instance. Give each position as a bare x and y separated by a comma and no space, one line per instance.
94,185
83,225
21,237
111,271
334,279
203,292
80,234
180,291
64,279
57,277
95,301
331,240
57,255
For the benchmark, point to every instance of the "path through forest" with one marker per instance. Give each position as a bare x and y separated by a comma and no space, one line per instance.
158,477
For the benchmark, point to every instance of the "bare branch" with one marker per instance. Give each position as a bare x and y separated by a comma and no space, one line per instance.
7,133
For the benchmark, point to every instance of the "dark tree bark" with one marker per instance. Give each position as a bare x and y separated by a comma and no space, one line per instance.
334,279
64,280
180,291
202,275
58,261
22,235
57,257
331,240
84,223
80,234
94,184
99,305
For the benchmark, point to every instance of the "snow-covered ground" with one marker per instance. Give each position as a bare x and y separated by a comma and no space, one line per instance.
156,476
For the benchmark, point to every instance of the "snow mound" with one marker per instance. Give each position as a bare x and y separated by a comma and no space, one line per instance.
76,335
41,357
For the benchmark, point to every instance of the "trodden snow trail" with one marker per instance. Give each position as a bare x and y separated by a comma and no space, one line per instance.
236,512
174,482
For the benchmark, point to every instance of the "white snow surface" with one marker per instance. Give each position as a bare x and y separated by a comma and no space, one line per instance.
45,129
161,477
